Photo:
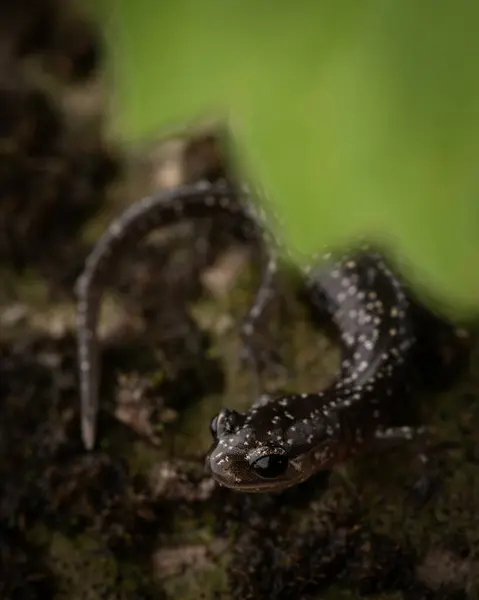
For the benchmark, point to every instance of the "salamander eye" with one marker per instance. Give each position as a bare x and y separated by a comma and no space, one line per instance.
270,466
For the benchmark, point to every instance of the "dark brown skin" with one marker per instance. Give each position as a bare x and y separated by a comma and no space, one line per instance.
288,439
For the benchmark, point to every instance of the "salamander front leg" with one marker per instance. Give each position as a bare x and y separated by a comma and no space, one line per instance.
427,483
401,434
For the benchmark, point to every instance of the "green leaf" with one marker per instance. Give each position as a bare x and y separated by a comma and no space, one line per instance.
355,116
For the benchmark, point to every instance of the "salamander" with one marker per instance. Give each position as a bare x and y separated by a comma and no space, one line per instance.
189,202
280,441
283,441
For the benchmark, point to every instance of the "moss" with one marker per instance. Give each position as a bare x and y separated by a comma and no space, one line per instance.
142,457
28,286
194,584
84,568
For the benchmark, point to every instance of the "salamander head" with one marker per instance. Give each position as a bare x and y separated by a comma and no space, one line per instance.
267,449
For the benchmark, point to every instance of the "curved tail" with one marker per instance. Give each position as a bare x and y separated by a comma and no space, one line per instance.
138,220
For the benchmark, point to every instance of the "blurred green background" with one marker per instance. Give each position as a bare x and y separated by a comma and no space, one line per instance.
355,116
